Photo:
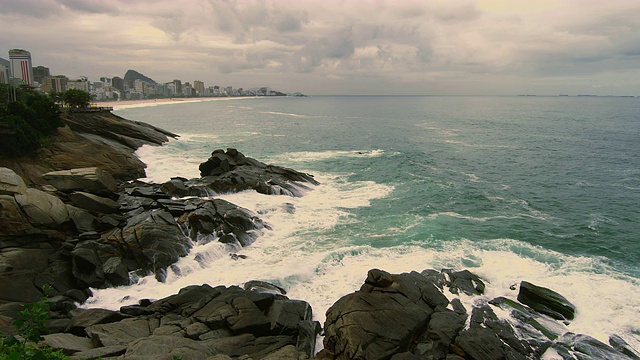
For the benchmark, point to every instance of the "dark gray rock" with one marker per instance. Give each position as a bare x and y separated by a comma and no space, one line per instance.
264,287
85,318
233,172
166,347
463,281
383,318
481,341
546,301
286,315
532,324
619,344
68,343
119,333
93,203
100,353
442,330
583,347
91,179
226,221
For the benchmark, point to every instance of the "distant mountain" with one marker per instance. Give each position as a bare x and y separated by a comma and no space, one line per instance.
134,75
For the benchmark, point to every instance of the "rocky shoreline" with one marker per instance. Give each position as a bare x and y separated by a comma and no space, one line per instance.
85,222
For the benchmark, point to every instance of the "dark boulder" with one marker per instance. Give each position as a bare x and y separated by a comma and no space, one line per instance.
222,220
386,316
583,347
546,301
231,171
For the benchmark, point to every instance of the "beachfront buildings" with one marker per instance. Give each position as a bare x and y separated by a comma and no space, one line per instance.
18,70
21,68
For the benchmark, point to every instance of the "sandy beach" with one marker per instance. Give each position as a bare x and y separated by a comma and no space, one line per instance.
127,104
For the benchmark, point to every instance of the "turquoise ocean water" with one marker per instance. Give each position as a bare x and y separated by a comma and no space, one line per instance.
544,189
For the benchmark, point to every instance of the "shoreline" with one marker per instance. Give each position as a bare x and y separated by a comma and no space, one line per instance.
130,104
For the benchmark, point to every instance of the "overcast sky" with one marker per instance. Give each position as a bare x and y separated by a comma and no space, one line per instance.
340,47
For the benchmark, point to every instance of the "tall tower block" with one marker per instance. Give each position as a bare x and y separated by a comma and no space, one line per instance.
21,68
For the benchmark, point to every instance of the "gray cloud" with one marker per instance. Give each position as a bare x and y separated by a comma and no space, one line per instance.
330,46
29,8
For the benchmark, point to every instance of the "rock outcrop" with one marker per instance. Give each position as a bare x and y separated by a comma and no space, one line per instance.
197,323
408,316
231,171
99,139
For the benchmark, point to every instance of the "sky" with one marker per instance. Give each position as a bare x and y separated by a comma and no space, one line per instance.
324,47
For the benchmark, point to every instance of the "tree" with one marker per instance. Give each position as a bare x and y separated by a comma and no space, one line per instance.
76,98
25,124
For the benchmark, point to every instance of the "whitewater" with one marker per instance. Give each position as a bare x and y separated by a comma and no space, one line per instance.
543,190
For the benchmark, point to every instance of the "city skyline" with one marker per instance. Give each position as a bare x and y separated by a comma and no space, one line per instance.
483,47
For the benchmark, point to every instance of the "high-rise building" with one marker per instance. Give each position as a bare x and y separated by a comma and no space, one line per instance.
118,83
39,73
21,69
199,87
5,65
56,84
178,85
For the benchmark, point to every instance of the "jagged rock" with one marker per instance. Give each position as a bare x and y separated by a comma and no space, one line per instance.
536,326
105,352
89,317
622,346
93,203
87,262
115,271
264,287
464,281
150,241
247,317
490,338
21,266
82,219
14,221
546,301
11,183
232,172
120,333
288,352
219,218
90,179
68,343
42,209
286,315
442,329
383,318
166,347
583,347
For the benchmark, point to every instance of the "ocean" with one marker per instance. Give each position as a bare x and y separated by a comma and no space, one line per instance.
543,189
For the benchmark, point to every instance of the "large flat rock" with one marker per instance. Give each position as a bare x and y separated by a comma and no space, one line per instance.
91,179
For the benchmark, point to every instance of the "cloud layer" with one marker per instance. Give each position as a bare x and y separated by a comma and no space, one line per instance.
341,47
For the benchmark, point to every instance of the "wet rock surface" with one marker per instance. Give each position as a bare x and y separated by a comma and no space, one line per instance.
408,316
232,171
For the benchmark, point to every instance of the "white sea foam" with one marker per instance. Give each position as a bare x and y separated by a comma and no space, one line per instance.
304,253
309,156
287,114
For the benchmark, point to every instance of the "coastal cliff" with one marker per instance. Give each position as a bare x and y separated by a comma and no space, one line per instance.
93,139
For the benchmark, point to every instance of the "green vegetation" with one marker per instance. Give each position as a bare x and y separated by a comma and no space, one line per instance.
31,326
25,124
76,98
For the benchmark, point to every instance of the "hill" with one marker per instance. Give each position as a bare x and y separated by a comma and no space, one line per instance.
134,75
